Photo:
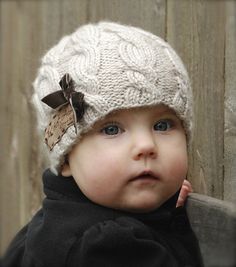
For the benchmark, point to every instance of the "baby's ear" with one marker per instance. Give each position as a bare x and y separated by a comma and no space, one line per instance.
65,170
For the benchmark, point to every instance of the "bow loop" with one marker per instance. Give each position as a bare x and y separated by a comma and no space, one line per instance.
67,95
67,86
79,104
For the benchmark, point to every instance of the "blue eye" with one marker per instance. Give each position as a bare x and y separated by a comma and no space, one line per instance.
111,130
163,125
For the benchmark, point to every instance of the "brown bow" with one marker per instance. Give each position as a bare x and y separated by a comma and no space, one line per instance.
67,95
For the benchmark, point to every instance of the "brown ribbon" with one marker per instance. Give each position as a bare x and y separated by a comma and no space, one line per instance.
71,107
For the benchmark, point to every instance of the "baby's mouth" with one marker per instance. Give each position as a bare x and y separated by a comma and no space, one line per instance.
145,175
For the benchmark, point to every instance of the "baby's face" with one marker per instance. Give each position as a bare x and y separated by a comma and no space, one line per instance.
132,160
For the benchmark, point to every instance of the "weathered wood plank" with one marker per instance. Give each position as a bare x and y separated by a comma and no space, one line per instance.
149,15
230,104
21,192
197,29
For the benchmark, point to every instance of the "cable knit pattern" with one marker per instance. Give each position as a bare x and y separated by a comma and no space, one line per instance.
115,66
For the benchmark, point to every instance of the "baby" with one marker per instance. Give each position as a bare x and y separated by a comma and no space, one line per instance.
114,103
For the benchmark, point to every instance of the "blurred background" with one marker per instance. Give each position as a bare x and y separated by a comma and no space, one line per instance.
203,32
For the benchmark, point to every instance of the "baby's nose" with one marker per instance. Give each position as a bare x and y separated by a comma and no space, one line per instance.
144,147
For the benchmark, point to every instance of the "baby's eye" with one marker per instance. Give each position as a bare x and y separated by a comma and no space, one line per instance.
163,125
111,129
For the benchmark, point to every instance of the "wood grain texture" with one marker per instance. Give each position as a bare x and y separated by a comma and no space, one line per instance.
202,32
197,30
230,104
149,15
20,188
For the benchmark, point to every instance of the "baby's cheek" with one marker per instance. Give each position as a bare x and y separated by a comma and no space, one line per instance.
102,190
176,165
179,169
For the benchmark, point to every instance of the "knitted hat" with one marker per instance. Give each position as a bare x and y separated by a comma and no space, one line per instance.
101,68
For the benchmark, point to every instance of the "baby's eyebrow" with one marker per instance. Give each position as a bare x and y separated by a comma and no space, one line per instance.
105,120
108,120
167,111
164,111
111,116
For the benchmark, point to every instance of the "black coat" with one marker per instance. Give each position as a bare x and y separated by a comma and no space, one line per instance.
72,231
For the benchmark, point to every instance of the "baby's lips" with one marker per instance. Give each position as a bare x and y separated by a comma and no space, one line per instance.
145,174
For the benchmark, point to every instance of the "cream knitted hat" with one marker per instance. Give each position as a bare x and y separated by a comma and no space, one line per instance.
101,68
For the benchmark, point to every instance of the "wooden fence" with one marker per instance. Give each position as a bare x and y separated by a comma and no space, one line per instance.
203,33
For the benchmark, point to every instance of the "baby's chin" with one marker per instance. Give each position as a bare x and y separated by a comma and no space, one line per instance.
142,207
